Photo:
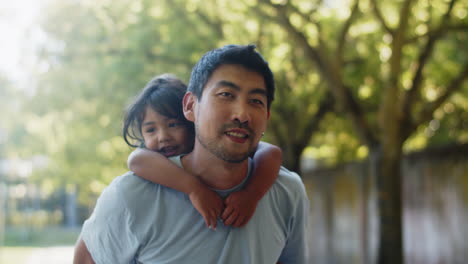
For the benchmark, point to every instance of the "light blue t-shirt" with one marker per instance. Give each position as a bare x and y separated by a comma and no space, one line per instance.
137,221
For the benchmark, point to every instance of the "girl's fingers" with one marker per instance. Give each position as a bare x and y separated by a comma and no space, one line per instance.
218,211
238,222
231,219
227,212
207,221
214,221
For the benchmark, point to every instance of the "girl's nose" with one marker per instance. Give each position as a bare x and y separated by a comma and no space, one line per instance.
164,136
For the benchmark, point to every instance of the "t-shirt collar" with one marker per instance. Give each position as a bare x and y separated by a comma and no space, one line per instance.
223,193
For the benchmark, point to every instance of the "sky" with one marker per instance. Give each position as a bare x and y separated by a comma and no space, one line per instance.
18,23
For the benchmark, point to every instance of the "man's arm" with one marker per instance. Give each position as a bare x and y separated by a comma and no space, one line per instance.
109,233
82,255
296,249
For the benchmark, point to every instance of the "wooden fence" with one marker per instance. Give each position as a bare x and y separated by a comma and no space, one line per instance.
343,216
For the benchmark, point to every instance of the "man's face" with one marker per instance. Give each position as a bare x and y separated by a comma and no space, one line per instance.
232,113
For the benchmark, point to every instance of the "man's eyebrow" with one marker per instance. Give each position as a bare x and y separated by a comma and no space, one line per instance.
237,88
228,84
259,91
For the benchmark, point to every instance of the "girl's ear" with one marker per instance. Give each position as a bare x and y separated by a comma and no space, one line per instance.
189,102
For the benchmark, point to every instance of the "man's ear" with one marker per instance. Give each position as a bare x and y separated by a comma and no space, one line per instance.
189,103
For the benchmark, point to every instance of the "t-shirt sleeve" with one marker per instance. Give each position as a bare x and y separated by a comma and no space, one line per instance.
296,248
107,233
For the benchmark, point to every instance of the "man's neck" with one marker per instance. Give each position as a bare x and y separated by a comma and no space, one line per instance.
214,172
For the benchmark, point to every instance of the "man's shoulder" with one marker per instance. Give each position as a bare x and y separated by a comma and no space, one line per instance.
291,183
289,177
130,189
129,182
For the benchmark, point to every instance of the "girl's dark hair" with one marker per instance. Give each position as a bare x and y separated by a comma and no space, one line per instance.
164,93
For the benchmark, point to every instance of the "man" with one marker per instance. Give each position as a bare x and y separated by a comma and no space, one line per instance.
135,221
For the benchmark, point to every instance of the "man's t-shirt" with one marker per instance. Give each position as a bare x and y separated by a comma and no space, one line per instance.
137,221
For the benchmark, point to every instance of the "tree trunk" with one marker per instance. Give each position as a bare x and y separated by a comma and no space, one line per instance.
3,199
292,157
71,208
387,172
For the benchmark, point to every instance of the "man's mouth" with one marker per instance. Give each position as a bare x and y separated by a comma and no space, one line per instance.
237,135
169,151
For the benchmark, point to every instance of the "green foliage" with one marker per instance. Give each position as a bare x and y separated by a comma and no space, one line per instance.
99,54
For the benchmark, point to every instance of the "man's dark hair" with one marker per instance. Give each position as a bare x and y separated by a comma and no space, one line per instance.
164,94
243,55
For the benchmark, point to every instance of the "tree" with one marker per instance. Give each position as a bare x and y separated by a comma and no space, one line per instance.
408,54
100,51
301,99
387,67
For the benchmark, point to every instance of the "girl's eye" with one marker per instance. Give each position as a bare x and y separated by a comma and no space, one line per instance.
150,130
174,124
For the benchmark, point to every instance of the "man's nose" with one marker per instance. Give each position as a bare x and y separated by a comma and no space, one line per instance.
241,113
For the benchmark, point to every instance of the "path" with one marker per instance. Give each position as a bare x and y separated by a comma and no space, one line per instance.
51,255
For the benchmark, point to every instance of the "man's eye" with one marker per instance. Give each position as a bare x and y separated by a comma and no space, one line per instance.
258,102
225,94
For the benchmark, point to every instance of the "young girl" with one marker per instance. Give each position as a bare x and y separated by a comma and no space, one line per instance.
155,121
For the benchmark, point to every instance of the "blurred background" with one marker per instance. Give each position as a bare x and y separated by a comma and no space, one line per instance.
371,109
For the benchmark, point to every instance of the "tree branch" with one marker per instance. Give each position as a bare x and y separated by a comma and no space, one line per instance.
312,53
454,85
448,13
306,17
413,93
446,29
405,15
282,111
360,122
326,106
344,33
389,114
399,37
444,26
380,17
262,13
342,94
215,25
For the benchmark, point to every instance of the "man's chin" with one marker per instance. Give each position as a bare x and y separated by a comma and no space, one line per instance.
234,158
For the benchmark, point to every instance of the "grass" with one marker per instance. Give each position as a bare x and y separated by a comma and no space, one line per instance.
20,245
46,237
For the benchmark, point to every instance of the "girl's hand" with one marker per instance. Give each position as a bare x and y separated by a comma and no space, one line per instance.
240,207
208,203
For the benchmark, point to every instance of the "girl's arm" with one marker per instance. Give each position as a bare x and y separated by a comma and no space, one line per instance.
241,205
154,167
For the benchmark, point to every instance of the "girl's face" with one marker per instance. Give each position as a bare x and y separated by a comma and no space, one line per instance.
165,135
